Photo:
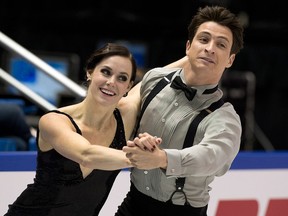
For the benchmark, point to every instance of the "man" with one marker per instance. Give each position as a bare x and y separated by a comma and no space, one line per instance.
215,36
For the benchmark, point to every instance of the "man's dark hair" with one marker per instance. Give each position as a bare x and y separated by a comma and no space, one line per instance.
221,16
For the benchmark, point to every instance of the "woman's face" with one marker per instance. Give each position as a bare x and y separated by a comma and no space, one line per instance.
110,79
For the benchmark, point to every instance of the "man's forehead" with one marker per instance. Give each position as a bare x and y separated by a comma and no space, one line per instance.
215,29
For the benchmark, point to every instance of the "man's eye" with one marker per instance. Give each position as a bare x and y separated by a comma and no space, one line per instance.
223,45
203,40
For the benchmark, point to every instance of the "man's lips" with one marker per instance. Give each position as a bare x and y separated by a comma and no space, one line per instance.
207,59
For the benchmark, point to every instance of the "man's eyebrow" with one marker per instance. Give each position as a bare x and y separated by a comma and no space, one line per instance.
220,37
224,38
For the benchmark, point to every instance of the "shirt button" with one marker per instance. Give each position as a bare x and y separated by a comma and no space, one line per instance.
172,170
147,188
176,104
162,120
145,172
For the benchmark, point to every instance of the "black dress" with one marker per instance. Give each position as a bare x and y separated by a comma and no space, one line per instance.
59,188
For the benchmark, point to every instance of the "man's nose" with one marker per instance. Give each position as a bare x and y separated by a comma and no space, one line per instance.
210,48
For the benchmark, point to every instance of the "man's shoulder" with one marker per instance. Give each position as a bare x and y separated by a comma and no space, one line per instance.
158,72
163,70
153,76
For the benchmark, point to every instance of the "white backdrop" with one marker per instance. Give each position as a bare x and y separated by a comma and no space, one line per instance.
260,185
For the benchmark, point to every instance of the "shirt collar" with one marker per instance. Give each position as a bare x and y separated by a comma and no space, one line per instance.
206,89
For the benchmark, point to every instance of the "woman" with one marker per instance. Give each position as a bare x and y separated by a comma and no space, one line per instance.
75,168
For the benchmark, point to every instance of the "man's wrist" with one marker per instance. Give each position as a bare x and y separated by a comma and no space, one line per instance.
163,163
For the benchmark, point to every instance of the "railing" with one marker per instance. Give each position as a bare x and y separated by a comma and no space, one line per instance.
14,47
26,91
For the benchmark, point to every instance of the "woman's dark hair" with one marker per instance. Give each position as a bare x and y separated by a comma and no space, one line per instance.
221,16
110,49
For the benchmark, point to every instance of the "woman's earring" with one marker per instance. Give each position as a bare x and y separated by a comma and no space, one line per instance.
125,95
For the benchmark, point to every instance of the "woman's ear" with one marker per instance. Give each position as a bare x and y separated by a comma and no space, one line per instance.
88,75
130,85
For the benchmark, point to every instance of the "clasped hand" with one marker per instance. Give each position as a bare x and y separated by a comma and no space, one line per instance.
144,152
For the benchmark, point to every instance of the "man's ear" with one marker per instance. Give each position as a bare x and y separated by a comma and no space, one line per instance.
230,60
188,45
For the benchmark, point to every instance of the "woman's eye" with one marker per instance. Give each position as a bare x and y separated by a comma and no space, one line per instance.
123,78
105,72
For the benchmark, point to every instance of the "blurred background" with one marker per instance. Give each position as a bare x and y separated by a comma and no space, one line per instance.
64,34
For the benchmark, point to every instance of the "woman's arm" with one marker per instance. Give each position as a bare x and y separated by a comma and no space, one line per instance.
56,131
180,63
129,107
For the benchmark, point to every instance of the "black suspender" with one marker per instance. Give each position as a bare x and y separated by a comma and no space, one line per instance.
194,124
189,141
192,129
159,86
190,135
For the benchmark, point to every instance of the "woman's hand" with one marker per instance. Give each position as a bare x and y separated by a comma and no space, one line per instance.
145,142
144,152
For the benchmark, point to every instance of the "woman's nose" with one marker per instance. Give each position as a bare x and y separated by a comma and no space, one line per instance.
110,81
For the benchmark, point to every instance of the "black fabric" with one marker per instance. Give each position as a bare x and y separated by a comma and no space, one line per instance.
59,188
137,203
177,83
210,91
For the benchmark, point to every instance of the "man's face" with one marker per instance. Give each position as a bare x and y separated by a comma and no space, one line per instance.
209,52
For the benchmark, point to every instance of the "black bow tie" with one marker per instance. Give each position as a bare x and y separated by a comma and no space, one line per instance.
177,83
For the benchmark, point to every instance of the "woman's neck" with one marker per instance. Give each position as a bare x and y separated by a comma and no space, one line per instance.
95,116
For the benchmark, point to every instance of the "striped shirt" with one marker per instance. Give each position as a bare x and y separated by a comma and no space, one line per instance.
216,143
